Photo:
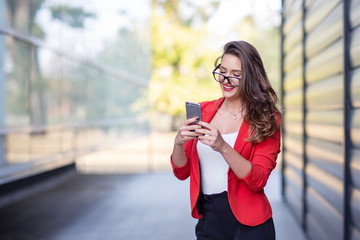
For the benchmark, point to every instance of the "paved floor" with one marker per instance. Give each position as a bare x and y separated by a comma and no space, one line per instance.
152,206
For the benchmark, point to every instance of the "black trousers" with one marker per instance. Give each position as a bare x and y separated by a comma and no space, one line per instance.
219,223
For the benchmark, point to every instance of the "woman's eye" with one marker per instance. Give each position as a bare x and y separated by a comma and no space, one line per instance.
237,75
222,72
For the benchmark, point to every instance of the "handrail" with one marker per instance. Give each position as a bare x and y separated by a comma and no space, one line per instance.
38,129
85,62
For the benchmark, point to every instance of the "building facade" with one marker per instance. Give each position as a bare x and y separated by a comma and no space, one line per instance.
321,105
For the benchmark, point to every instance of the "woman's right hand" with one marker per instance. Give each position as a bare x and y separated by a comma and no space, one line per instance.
187,131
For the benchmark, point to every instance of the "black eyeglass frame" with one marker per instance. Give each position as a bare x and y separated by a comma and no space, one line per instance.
225,77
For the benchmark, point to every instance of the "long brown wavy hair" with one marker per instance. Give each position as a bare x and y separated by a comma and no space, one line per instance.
257,96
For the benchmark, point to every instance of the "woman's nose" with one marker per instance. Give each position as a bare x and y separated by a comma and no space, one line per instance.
227,79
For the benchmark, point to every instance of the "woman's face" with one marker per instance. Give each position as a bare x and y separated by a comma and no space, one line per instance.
230,67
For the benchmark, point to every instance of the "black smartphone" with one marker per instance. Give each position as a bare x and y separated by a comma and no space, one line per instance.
193,110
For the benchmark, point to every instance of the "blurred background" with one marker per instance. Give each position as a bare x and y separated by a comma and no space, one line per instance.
92,93
91,96
81,76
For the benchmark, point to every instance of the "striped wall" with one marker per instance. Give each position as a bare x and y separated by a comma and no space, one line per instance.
321,105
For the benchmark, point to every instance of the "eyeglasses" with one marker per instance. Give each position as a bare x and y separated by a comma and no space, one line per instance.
233,81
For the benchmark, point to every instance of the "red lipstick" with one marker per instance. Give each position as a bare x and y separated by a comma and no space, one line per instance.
228,88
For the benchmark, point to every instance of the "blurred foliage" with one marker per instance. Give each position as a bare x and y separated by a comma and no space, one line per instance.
183,57
72,16
182,60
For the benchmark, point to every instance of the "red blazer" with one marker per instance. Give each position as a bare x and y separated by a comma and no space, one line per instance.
246,195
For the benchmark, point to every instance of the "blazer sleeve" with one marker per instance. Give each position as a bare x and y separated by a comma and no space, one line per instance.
263,161
183,172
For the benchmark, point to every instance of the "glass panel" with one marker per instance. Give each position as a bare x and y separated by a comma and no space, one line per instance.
74,75
50,67
17,83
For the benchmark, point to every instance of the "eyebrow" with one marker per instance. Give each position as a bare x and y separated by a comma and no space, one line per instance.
233,70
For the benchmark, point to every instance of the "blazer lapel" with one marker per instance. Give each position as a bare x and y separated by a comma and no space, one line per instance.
240,143
209,113
241,140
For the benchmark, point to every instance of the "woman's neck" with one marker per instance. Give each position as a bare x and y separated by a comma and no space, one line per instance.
233,105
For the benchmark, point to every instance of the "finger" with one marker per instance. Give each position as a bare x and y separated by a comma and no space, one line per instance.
184,136
206,125
194,134
203,131
191,120
191,132
191,128
185,127
205,137
204,141
202,138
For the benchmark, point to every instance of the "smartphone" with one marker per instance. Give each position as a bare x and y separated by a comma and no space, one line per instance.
193,110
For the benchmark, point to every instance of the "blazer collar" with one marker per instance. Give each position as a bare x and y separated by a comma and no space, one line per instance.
209,113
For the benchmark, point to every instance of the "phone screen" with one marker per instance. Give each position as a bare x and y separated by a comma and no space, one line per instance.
193,110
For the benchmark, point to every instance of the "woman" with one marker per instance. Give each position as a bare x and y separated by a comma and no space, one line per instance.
231,153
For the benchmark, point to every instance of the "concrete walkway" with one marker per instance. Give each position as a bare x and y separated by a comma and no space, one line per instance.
152,206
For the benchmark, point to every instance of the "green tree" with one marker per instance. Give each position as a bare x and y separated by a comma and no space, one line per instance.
72,16
182,58
27,97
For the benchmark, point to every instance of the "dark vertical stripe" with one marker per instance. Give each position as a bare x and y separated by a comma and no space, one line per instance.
282,100
2,87
347,119
304,106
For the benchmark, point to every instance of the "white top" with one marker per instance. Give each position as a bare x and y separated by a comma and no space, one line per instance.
213,167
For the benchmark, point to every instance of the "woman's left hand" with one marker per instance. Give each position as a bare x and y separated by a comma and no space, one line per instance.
211,136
